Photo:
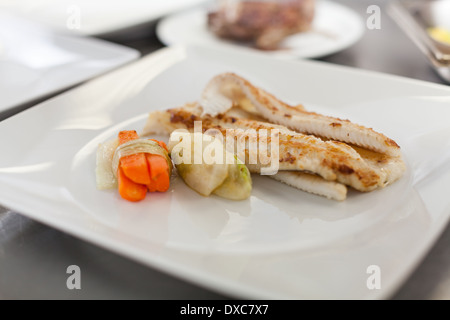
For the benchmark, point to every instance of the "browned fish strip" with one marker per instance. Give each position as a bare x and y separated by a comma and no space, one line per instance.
334,161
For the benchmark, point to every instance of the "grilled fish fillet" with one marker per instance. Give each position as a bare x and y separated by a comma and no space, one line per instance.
334,161
228,89
307,182
313,184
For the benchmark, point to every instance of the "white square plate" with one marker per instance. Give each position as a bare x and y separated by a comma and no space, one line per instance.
35,61
280,243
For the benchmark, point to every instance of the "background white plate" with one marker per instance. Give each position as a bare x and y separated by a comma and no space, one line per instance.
95,17
35,61
335,28
281,243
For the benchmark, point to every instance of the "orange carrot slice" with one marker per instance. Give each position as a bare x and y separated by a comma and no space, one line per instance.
140,172
135,166
127,135
128,189
159,173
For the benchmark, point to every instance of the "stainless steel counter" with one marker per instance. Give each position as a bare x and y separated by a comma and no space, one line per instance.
34,257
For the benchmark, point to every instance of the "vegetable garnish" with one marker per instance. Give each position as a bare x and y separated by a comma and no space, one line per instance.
227,178
133,165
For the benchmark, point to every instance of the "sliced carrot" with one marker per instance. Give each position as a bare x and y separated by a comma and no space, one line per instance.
140,172
128,189
135,166
159,173
127,135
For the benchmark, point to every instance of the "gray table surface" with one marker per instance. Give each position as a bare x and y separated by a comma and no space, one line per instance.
34,257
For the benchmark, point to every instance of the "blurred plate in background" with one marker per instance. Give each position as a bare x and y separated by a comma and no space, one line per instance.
35,61
335,28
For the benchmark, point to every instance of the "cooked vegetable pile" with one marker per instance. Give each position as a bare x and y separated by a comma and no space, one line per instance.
133,165
136,166
219,171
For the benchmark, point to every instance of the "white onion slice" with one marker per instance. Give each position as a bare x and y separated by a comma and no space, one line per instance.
105,177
